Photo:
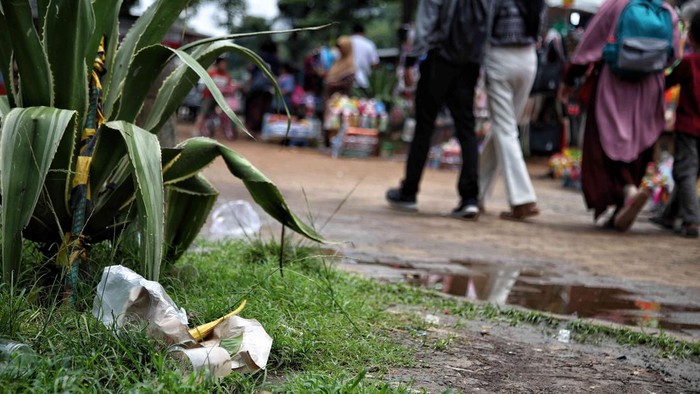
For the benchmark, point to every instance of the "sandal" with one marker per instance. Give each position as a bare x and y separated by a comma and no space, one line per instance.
521,212
628,213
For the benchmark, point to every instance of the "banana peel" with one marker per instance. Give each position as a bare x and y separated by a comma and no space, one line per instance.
201,332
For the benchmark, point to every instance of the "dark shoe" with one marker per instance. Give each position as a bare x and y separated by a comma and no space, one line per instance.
466,211
521,212
690,230
662,222
629,212
400,201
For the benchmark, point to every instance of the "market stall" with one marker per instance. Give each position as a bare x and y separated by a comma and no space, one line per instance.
590,6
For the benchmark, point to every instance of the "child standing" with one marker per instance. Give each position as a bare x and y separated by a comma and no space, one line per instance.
686,166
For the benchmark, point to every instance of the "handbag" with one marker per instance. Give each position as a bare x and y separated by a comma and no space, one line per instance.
549,74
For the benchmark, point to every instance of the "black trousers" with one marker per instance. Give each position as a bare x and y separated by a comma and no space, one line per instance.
445,83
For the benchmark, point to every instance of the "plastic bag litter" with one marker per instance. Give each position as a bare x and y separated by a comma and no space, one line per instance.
234,343
234,219
123,296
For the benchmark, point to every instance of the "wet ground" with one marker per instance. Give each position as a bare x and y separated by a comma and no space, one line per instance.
490,357
655,269
559,262
548,292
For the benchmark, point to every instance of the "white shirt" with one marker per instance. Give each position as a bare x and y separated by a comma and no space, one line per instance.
366,56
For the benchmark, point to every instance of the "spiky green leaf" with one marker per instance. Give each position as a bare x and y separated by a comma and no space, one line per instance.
144,156
4,106
35,78
197,153
106,24
181,81
149,29
6,58
188,205
145,69
67,31
30,138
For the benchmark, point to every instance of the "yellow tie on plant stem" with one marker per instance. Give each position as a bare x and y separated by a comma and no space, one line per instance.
201,332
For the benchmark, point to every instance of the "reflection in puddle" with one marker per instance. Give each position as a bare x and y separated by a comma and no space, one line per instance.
512,286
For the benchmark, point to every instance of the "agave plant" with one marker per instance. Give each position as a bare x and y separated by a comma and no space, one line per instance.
79,163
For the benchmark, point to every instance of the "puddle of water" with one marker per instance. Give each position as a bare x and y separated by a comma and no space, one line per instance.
513,286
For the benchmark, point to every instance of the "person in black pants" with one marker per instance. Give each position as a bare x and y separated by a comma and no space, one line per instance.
452,32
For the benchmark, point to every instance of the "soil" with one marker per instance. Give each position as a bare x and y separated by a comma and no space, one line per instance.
562,239
488,357
345,198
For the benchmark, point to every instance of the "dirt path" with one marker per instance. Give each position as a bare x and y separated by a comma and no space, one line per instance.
490,357
478,356
562,239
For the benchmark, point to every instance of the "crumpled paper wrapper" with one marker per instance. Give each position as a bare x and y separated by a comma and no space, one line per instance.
236,344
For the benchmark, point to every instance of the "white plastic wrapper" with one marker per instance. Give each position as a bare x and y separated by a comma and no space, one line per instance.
235,344
124,296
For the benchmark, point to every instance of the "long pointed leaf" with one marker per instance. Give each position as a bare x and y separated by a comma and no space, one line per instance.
247,35
177,85
187,59
149,29
144,70
114,192
197,153
42,12
36,81
6,58
187,209
67,31
181,81
4,106
144,156
30,138
106,13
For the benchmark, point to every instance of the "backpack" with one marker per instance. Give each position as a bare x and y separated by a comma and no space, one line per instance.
467,33
643,41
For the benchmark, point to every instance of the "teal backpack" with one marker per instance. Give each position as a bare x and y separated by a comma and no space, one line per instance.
643,42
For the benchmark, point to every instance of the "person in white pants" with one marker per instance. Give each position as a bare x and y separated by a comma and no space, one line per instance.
510,67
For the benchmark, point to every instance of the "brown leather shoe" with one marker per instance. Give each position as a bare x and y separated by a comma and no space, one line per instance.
521,212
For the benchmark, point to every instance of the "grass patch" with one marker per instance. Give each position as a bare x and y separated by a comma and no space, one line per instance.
331,330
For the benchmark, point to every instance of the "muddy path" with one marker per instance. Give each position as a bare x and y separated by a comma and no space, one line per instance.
563,237
491,357
564,265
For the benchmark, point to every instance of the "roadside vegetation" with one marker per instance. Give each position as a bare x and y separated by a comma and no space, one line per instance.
332,331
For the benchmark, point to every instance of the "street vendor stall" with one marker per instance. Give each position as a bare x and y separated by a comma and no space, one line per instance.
590,6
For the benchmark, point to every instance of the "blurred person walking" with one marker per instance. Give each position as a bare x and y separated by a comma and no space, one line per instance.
452,35
365,56
341,77
219,73
686,157
510,66
626,105
261,91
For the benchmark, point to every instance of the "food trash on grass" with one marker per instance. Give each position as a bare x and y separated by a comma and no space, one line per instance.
222,346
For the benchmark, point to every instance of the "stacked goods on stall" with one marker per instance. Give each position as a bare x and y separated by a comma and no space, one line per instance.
659,181
566,166
354,125
296,131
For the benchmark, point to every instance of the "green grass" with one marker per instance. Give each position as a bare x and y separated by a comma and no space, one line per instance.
329,329
332,332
